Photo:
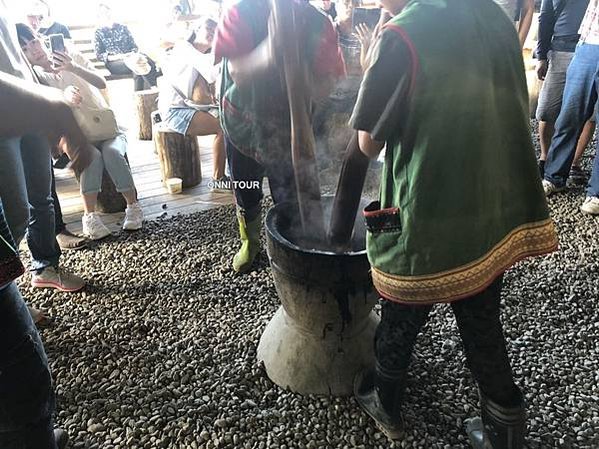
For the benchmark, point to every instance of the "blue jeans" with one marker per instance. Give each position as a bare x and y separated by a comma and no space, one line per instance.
578,104
25,189
26,394
109,155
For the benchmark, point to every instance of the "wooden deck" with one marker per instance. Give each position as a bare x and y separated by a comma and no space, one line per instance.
153,196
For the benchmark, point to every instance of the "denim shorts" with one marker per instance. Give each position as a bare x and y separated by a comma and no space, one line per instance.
178,119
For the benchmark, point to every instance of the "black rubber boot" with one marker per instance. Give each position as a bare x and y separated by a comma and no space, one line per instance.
499,427
381,397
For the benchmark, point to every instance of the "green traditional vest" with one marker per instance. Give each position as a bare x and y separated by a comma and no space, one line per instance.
256,117
461,195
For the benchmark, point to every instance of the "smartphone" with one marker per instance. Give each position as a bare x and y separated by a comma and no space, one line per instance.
367,16
57,43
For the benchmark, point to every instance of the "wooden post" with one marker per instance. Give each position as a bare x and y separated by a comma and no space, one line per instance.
146,103
179,156
355,163
295,74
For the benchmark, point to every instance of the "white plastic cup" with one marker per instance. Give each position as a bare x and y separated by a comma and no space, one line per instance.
174,185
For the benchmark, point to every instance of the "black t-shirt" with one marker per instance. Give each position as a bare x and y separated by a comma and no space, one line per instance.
382,100
57,28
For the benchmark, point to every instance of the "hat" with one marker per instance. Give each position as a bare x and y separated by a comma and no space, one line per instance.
35,8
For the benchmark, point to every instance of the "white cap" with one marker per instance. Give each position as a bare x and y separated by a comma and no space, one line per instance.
35,8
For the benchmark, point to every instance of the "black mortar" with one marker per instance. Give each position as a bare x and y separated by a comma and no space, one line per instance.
345,274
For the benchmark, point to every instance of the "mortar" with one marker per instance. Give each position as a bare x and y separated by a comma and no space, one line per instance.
323,333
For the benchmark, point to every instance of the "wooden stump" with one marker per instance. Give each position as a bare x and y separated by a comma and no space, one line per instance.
146,104
179,156
109,200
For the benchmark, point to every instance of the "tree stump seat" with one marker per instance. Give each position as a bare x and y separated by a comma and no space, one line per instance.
109,200
146,104
179,155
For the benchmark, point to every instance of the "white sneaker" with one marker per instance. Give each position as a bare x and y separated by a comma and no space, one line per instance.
93,228
591,205
550,188
134,217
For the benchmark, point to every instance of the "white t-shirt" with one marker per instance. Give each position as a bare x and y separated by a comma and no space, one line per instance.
510,7
11,59
180,69
92,98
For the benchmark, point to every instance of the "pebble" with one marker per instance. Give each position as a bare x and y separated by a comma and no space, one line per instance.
161,350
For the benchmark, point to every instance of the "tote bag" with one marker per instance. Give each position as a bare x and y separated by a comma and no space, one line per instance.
97,124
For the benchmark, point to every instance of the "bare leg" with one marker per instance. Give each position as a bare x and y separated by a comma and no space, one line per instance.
204,124
546,130
583,141
219,157
89,202
130,196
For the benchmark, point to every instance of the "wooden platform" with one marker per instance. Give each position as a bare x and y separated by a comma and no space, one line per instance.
154,198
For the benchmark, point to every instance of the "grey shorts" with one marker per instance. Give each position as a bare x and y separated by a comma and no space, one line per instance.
550,97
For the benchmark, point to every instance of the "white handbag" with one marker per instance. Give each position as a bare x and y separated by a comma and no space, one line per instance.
97,124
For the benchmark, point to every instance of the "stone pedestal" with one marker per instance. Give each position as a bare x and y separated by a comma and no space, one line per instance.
323,333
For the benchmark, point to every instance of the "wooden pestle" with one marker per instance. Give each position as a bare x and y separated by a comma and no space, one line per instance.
302,136
351,180
348,194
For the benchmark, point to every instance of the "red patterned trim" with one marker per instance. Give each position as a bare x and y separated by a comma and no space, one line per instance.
234,36
532,239
413,54
379,212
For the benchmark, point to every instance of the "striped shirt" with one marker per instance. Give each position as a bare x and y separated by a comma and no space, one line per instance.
589,29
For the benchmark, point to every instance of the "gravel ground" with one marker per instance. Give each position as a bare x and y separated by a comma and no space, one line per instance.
160,350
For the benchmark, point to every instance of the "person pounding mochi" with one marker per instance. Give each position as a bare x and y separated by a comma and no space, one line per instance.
254,108
460,202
